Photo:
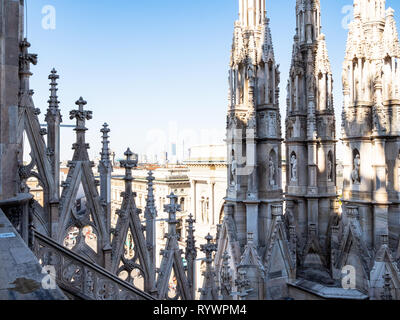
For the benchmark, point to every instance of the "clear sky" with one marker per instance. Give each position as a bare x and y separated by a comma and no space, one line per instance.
156,71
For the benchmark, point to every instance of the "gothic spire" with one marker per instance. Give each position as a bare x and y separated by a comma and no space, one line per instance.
105,170
81,116
191,251
54,119
105,151
209,290
128,164
129,232
226,278
150,214
172,258
252,265
53,101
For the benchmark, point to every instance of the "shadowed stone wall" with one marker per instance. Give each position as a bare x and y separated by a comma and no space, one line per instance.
11,33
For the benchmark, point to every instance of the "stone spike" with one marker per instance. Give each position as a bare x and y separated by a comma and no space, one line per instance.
208,249
150,213
150,210
172,208
209,290
191,252
129,164
190,240
81,115
53,101
105,152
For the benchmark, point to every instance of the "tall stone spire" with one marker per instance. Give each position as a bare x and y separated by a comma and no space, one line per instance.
172,262
310,140
254,269
81,116
150,214
191,253
253,126
105,170
54,119
209,290
226,278
253,138
370,133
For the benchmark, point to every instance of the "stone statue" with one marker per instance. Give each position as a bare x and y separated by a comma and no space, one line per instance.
311,84
293,168
250,71
330,171
355,174
272,170
233,171
278,75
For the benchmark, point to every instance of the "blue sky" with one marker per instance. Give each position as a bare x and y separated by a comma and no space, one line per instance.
157,70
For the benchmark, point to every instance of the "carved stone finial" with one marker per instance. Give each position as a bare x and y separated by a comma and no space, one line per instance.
26,58
172,208
208,249
129,164
81,115
209,291
150,210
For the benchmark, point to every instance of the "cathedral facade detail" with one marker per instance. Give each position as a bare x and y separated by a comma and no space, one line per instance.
302,243
310,142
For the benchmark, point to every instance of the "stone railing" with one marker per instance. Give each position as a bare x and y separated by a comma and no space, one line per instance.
80,278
